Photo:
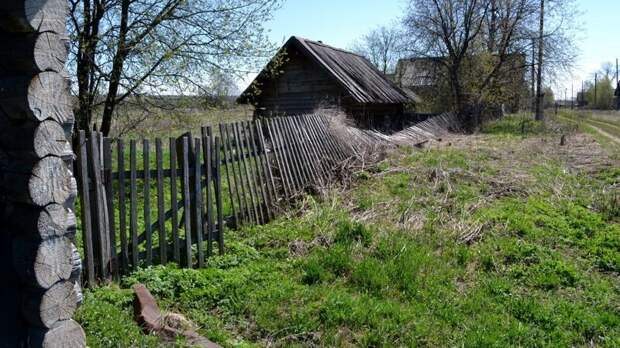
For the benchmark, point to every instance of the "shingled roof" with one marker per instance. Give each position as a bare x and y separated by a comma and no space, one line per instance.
363,82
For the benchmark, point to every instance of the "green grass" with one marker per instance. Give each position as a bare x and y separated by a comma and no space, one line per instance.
384,263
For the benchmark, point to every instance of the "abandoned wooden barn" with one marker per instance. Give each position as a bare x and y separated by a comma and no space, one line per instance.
306,75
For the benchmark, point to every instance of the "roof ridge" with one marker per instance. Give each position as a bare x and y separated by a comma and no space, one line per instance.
319,43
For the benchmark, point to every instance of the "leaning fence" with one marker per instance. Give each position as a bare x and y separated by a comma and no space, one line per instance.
141,207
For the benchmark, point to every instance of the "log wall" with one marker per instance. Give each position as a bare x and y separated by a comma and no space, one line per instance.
39,263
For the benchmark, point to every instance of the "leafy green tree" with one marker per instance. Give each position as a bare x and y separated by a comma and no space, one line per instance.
135,50
603,99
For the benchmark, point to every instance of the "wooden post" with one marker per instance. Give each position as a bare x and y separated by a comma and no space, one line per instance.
37,186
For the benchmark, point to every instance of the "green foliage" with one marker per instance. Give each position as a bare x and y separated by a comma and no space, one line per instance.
523,125
107,317
603,99
543,272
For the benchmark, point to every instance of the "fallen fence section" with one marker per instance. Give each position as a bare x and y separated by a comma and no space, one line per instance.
152,202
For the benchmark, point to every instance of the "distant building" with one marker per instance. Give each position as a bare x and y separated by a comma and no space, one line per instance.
308,75
426,78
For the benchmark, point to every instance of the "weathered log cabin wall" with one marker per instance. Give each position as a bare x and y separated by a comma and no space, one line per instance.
39,264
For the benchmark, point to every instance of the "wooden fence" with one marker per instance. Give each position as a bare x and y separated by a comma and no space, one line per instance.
193,188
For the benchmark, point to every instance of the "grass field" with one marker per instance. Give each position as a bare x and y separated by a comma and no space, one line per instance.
602,125
502,238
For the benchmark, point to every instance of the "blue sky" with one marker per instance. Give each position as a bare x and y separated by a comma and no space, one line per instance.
340,22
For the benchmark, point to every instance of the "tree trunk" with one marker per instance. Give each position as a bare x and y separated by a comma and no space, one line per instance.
540,112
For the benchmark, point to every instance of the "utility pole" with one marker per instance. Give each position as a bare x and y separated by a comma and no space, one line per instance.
595,80
540,113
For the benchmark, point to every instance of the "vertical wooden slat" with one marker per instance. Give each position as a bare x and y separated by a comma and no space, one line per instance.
87,236
249,189
266,161
133,203
254,186
207,149
100,208
286,172
289,151
313,144
228,174
161,206
148,233
311,165
176,245
242,176
277,153
107,179
321,146
218,196
258,166
198,201
122,213
186,201
301,152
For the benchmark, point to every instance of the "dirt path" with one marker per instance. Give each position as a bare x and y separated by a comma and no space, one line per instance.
610,136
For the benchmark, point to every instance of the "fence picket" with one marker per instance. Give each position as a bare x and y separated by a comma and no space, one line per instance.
161,209
260,173
86,209
218,197
109,194
148,233
133,200
176,244
100,207
206,148
122,213
228,176
186,201
197,200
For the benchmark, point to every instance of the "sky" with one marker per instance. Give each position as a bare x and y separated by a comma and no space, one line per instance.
340,22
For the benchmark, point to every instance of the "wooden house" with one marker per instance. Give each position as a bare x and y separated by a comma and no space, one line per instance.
306,75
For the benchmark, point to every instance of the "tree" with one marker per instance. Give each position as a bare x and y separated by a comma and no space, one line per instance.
539,92
603,97
474,39
124,49
383,47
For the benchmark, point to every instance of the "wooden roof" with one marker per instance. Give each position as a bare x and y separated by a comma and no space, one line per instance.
359,78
